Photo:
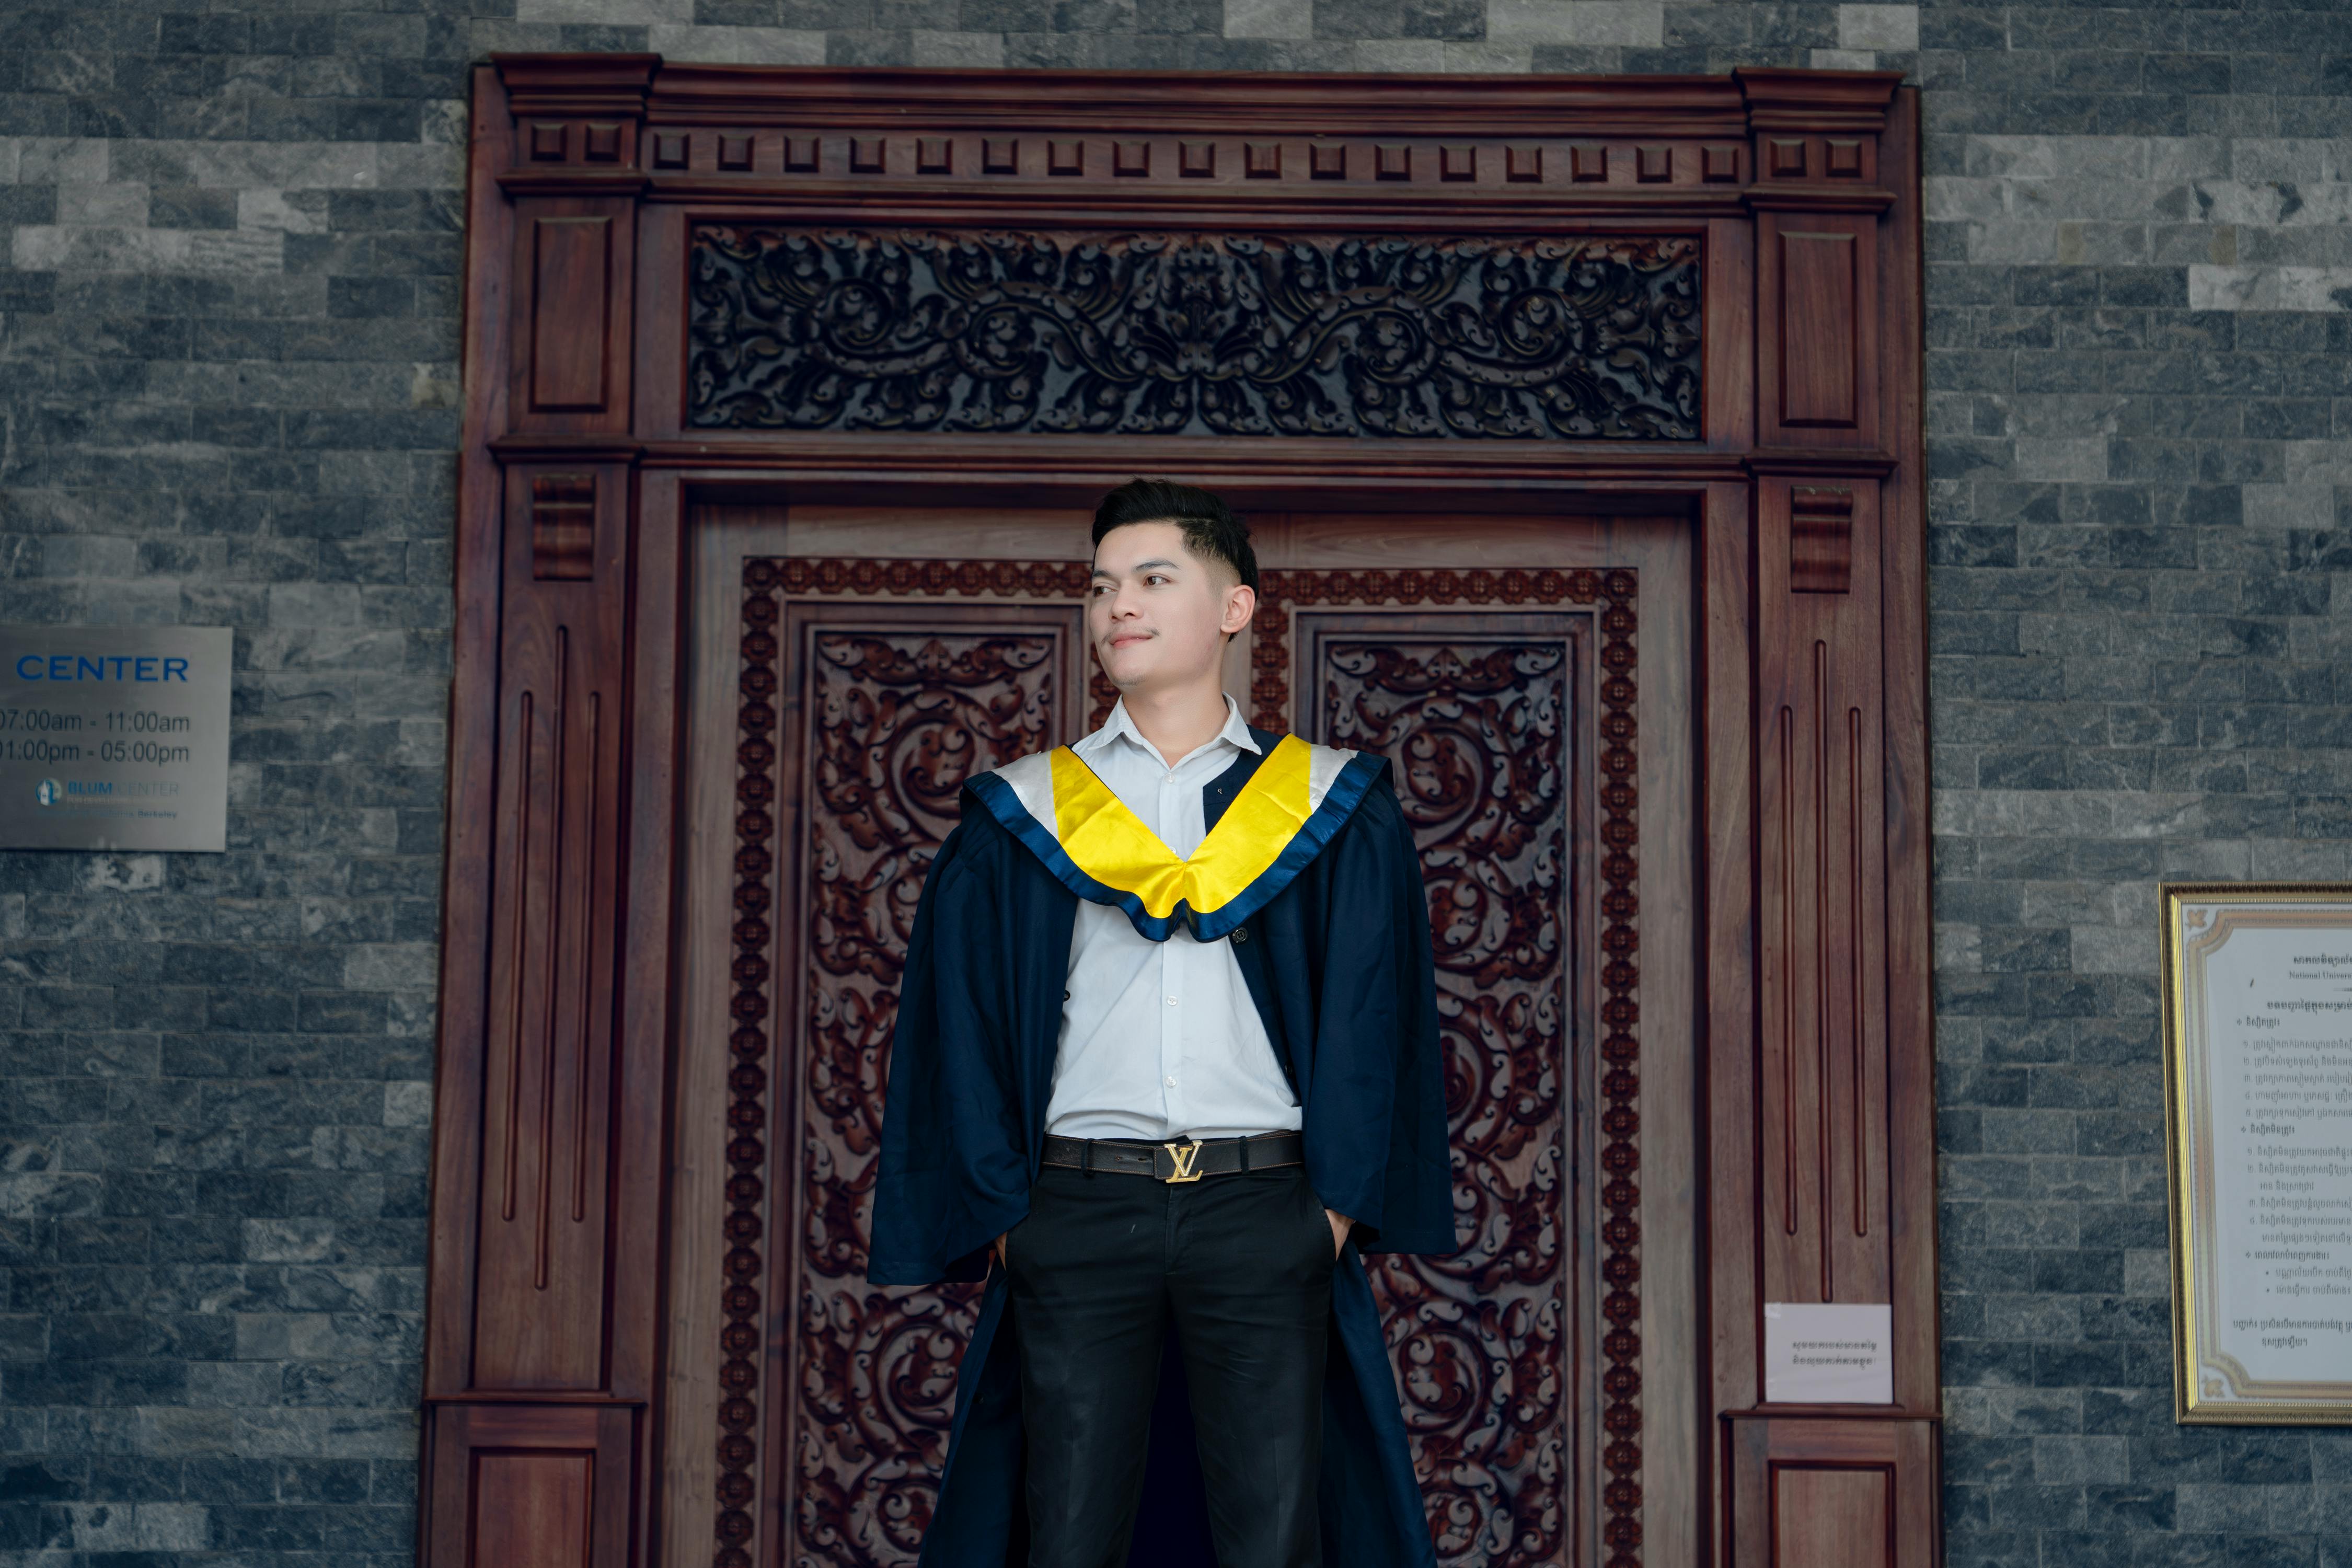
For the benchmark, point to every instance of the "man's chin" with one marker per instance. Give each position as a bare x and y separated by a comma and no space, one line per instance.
1128,665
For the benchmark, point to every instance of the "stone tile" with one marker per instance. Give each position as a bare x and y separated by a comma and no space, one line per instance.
1635,22
951,49
1879,26
621,13
1269,19
1488,57
1400,55
2270,288
737,46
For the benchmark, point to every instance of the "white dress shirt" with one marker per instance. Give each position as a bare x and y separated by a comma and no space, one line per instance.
1159,1040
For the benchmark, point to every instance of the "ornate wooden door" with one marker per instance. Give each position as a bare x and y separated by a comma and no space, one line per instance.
1580,418
862,690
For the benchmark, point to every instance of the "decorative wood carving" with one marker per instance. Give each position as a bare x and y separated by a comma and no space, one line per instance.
1820,539
890,724
1227,334
1474,715
1516,1512
1484,1338
563,527
748,1045
898,720
602,97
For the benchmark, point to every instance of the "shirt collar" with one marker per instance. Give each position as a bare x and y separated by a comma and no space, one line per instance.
1119,726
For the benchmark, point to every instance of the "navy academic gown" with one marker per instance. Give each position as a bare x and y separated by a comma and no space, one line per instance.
1338,963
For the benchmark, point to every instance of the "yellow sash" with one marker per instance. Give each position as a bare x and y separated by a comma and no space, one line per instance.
1110,843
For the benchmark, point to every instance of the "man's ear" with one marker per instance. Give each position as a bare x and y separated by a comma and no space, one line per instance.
1240,603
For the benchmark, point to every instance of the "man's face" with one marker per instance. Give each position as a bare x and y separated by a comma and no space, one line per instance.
1158,614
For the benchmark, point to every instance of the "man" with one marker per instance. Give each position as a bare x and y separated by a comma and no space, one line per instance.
1167,1058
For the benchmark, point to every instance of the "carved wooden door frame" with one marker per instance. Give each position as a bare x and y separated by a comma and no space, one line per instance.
686,284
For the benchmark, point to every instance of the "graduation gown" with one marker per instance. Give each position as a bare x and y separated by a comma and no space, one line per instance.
1338,962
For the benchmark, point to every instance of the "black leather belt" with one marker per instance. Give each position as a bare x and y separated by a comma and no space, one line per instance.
1183,1160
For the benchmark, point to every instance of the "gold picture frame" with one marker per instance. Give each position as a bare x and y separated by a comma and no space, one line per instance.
2263,1337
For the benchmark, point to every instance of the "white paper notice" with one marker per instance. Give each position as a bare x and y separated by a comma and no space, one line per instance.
2268,1068
1837,1354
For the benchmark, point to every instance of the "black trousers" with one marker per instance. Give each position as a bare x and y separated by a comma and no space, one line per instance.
1240,1267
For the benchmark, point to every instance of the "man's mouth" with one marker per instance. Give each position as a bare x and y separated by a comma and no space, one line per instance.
1126,638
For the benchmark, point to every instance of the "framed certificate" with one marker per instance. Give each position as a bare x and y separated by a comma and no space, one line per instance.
2258,1116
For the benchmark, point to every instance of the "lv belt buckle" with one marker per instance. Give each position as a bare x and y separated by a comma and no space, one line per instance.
1182,1155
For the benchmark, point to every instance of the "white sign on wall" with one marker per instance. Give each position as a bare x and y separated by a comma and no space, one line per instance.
1829,1353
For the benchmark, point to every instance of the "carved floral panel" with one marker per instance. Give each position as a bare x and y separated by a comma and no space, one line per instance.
893,717
1567,338
897,723
1480,723
1477,728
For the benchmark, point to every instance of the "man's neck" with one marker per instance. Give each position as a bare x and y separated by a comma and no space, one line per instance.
1178,721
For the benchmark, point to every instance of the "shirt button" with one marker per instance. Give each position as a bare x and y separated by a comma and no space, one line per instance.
1171,1000
1171,1083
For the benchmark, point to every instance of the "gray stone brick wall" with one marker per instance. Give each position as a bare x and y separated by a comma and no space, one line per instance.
228,254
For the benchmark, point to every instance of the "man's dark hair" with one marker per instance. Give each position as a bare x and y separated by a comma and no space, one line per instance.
1211,532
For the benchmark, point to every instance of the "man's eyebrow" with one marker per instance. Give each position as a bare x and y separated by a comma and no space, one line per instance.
1139,566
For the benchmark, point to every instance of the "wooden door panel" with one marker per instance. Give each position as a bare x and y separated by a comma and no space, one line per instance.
1824,880
866,691
880,711
523,1487
1818,1493
899,706
1484,718
543,1229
